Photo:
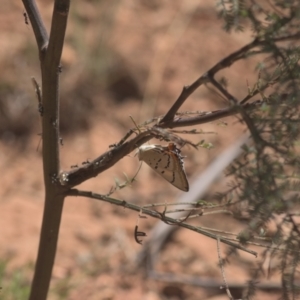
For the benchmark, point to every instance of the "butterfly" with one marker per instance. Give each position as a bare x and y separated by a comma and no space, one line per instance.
166,161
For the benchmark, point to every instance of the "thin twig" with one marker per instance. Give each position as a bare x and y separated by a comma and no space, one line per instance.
206,282
224,63
38,93
154,214
37,24
196,204
122,148
234,102
222,270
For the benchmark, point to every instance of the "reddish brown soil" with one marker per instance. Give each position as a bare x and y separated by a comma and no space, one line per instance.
121,59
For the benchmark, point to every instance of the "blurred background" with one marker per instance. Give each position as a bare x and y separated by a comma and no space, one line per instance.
120,59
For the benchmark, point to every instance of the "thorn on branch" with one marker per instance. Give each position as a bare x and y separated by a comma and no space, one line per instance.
38,93
25,18
164,134
175,222
37,148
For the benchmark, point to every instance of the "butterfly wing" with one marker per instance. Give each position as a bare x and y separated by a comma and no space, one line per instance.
167,162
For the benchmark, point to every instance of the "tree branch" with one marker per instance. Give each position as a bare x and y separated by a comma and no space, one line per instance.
37,24
157,215
109,158
54,198
234,102
224,63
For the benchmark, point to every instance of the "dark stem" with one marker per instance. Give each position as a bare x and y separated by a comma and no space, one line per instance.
157,215
242,53
121,149
37,24
234,102
54,199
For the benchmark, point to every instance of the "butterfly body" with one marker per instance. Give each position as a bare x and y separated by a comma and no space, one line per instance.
166,161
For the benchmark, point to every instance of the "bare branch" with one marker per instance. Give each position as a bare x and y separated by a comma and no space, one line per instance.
224,63
256,136
121,149
37,24
105,161
155,214
223,271
54,199
57,35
